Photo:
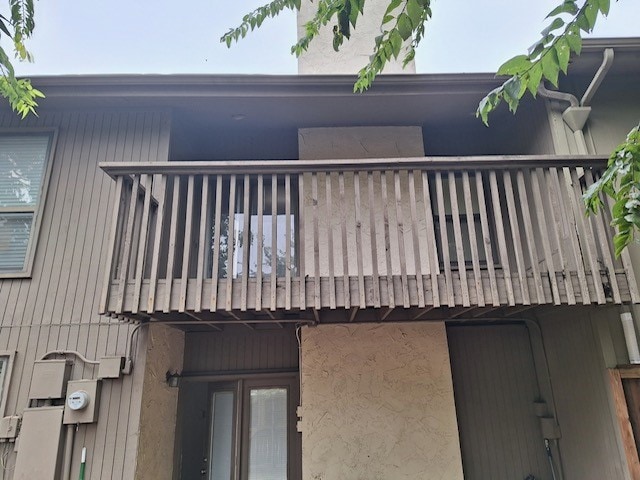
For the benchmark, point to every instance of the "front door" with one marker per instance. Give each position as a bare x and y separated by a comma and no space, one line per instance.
252,430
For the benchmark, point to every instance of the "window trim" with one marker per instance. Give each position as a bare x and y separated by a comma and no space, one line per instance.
38,211
5,379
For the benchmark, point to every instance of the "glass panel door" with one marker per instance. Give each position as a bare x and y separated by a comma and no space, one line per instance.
268,434
222,426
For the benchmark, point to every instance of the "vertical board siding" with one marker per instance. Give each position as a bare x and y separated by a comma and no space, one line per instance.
240,349
57,309
495,386
577,369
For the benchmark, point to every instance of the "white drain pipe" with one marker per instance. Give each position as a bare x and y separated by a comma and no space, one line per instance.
630,337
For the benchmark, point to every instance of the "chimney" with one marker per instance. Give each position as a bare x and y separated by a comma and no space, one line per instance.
321,59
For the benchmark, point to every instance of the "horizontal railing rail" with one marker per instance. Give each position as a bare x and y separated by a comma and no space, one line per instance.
371,233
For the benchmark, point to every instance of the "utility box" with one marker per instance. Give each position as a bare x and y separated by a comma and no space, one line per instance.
9,428
49,379
110,367
83,402
40,449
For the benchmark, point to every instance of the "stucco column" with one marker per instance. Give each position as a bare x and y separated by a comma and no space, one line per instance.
377,403
165,352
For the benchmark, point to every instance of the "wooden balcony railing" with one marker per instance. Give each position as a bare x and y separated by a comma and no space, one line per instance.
384,233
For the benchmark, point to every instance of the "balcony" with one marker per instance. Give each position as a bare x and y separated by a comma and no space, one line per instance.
337,240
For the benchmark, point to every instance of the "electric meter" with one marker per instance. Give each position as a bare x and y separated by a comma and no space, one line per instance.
78,400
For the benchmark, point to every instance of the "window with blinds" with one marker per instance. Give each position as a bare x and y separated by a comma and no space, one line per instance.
24,158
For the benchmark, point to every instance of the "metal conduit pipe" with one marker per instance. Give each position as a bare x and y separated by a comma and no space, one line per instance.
68,452
630,337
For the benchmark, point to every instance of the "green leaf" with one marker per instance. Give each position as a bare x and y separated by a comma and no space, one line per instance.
550,67
564,54
396,42
404,26
604,6
567,7
393,4
556,24
575,42
535,77
514,65
415,12
591,13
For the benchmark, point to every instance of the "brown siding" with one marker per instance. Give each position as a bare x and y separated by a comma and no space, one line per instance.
57,307
239,348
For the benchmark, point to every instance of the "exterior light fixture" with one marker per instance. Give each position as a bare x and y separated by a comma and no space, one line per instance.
173,379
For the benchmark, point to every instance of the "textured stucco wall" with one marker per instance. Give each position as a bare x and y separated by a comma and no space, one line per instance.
165,352
377,403
354,54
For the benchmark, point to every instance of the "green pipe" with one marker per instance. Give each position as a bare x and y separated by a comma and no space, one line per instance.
83,463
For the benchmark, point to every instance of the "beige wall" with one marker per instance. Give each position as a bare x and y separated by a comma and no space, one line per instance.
354,54
165,353
377,403
57,308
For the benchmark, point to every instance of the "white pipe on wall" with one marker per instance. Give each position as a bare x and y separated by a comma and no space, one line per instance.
630,337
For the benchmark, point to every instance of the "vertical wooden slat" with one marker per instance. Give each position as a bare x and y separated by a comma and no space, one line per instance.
246,242
302,253
444,240
557,223
401,247
515,235
186,250
585,232
530,234
157,243
626,429
274,241
231,242
287,260
473,242
343,228
627,265
486,239
567,219
607,257
359,249
171,253
215,263
544,233
374,247
202,242
432,254
416,241
387,240
502,241
142,244
128,240
316,242
457,235
331,254
111,246
260,245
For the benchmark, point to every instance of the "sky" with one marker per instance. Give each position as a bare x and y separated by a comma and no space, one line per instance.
172,36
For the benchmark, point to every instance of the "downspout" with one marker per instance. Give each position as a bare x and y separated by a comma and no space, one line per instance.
577,114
